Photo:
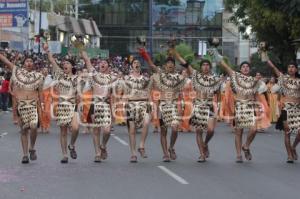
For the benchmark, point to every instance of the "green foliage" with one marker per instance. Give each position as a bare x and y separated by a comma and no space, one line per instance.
258,66
186,52
160,58
274,21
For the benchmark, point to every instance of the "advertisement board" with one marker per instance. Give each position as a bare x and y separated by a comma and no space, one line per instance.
13,13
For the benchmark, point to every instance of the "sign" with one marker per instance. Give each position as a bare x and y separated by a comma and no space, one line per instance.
13,13
202,48
54,47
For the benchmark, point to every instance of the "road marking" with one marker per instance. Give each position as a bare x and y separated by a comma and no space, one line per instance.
120,140
3,134
173,175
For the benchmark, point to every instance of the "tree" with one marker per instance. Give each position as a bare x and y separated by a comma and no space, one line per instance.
59,6
274,21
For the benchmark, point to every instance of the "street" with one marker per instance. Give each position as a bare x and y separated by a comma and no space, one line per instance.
266,176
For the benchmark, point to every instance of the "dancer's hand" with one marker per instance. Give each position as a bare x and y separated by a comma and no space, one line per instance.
215,55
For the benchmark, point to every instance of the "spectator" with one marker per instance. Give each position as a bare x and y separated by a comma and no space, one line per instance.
5,92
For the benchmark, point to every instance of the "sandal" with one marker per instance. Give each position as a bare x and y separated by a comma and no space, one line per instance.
97,159
103,153
201,159
32,154
295,155
173,155
64,160
73,153
133,159
206,151
166,158
247,153
25,159
239,159
142,152
290,161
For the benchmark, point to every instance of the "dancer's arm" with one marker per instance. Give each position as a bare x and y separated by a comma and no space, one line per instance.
274,68
147,58
87,60
6,62
226,67
50,57
182,61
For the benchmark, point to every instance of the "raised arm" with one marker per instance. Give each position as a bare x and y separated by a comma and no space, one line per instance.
226,67
147,58
50,57
275,69
9,64
219,59
87,60
181,60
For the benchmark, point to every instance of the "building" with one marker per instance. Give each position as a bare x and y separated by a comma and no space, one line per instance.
120,22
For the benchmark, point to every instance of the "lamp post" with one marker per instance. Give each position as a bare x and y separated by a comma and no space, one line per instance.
150,34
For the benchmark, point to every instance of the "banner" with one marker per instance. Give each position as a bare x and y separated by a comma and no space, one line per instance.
13,13
92,52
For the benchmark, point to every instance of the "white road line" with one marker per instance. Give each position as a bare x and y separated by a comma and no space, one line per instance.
120,140
3,134
173,175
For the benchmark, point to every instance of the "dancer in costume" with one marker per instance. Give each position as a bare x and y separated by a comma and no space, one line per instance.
100,111
273,100
86,96
27,86
66,111
206,86
137,107
188,95
47,100
264,120
289,119
170,85
245,88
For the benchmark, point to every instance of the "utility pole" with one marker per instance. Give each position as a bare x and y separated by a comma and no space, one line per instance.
76,9
40,26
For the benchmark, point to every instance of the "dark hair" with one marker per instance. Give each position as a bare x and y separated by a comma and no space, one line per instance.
27,57
244,62
293,63
7,76
134,59
171,59
203,61
71,61
106,60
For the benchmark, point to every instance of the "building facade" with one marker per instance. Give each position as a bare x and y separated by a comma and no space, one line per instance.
121,21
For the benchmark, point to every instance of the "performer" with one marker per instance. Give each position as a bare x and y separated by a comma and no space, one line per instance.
188,97
138,108
170,85
27,91
86,96
66,115
264,121
289,120
205,111
47,100
100,110
245,88
273,99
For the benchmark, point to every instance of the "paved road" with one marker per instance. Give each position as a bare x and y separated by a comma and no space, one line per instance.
266,177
